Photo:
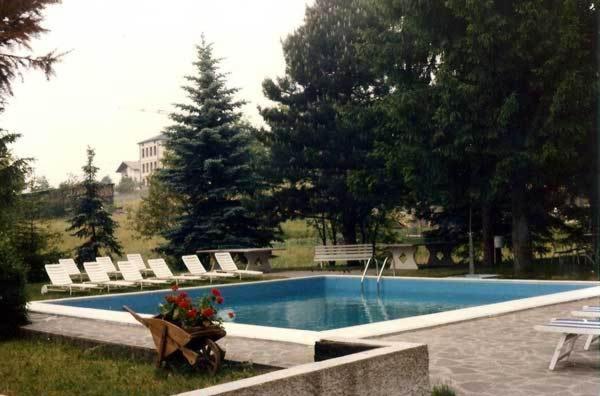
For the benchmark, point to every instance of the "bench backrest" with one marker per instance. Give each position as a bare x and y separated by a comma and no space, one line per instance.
129,271
106,263
58,275
70,266
226,262
193,264
160,268
137,260
343,252
96,272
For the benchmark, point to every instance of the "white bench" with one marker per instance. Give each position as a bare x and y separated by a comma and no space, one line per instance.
327,253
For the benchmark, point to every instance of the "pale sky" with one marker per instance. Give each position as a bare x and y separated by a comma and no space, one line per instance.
128,56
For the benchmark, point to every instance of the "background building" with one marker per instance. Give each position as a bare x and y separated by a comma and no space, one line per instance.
130,169
151,154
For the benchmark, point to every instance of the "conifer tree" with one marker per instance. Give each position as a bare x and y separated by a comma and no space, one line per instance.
91,221
209,167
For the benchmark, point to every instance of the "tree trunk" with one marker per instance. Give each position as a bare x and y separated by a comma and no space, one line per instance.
349,234
349,229
521,235
487,234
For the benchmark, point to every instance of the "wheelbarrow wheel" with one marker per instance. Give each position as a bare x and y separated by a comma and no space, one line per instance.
210,357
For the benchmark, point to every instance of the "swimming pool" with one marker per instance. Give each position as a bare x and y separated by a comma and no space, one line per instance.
305,309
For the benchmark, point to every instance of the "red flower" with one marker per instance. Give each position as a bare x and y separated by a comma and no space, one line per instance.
220,300
216,292
183,295
231,314
208,312
184,304
174,287
192,313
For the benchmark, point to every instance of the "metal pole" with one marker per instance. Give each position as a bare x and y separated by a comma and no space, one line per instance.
471,258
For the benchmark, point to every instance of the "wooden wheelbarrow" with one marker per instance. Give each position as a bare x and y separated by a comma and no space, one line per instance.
197,344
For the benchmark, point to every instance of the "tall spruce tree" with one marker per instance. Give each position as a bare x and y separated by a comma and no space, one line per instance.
91,221
209,167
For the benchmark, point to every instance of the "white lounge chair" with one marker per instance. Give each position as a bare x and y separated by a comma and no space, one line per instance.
61,281
137,259
71,267
162,271
227,264
589,311
194,265
131,273
108,266
97,274
570,330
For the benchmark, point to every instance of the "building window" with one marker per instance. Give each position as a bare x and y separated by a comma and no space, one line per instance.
142,153
154,164
155,153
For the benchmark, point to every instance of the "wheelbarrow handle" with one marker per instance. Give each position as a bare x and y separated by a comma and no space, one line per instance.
135,315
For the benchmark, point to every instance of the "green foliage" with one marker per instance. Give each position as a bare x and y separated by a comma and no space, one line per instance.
210,168
107,180
36,243
505,125
157,212
127,185
12,289
12,276
321,128
20,22
91,221
442,390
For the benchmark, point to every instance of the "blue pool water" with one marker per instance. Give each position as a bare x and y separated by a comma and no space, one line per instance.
324,303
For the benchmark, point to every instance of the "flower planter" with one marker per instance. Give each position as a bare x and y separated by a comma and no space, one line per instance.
197,344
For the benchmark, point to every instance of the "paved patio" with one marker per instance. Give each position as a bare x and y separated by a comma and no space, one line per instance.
505,356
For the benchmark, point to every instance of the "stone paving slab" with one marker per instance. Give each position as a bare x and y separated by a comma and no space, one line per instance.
268,353
505,356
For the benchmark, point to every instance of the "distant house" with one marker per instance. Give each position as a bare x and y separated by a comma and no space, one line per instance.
151,154
130,169
152,151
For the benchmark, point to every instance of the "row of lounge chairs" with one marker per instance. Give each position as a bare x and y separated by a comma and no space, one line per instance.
97,275
586,323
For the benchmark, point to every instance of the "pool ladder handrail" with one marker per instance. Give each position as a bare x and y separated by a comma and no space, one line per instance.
382,268
362,278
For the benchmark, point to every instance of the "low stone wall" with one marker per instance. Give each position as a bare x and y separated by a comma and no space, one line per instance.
380,368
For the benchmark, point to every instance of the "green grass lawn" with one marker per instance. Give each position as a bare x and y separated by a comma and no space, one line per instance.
41,367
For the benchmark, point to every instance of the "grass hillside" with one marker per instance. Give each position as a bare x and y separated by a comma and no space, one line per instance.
299,238
124,233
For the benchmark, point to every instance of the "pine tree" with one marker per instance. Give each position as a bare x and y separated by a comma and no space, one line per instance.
209,166
91,220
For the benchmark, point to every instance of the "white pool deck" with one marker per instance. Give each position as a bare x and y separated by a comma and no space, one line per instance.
377,329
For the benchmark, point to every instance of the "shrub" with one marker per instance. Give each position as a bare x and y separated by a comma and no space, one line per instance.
442,390
12,290
127,185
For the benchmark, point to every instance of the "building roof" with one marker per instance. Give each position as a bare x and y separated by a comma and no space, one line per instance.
128,164
162,136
